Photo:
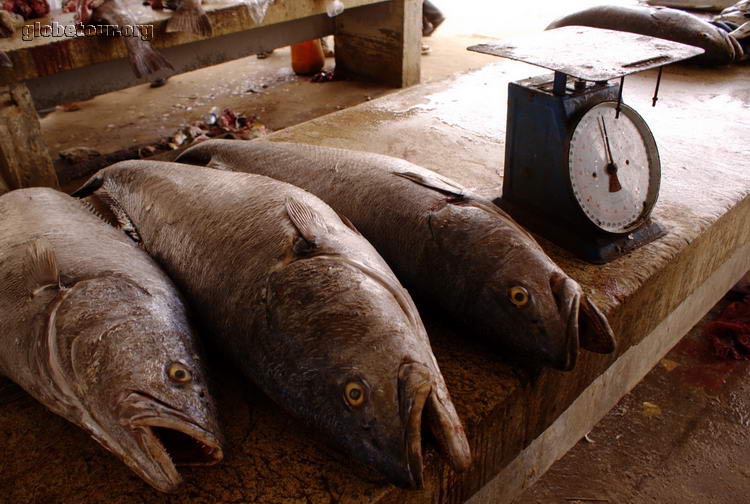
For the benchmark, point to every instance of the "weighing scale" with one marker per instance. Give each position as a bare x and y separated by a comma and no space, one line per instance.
582,168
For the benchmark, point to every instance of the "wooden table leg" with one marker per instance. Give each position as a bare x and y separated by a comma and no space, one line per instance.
24,159
381,42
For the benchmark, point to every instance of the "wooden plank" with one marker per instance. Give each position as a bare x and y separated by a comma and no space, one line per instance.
89,81
24,159
43,56
381,42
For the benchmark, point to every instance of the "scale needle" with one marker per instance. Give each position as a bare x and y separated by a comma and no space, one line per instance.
614,181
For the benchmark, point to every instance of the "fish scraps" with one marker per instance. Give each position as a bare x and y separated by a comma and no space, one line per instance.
730,333
28,9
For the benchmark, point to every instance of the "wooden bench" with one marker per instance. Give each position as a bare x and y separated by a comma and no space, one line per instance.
518,423
375,39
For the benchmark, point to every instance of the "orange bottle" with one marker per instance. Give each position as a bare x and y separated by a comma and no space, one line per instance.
308,57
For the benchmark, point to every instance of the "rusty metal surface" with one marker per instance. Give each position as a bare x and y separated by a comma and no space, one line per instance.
591,54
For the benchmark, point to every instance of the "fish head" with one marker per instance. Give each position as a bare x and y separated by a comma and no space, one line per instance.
132,367
352,359
542,313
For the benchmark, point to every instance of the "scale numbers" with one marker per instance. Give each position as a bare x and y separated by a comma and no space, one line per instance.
614,168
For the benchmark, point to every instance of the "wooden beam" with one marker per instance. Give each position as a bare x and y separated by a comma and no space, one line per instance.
24,159
381,42
88,81
44,56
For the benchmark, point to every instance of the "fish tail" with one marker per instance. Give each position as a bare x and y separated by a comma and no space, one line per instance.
144,59
5,60
190,20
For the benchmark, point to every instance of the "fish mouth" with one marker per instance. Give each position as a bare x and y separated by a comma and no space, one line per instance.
568,297
169,438
421,399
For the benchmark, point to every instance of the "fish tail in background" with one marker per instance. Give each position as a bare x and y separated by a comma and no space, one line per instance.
190,17
5,61
144,59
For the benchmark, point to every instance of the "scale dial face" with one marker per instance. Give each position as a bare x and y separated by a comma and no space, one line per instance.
614,167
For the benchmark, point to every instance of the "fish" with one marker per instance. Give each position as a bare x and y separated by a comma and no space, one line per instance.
10,22
661,22
5,61
298,301
143,58
454,249
189,16
98,334
707,5
737,19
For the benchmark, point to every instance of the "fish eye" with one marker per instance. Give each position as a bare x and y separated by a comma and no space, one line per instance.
518,295
354,394
179,373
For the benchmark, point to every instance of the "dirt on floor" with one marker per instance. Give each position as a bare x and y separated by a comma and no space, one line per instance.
681,436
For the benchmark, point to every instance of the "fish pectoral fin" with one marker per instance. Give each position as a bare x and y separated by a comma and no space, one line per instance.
434,182
306,220
595,334
41,269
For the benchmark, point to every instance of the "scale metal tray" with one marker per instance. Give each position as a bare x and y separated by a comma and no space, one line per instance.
591,54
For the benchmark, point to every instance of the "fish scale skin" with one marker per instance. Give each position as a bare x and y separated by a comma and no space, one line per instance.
453,248
298,300
111,328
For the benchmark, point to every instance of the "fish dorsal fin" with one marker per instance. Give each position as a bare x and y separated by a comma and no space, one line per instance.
218,165
306,220
348,223
434,181
41,269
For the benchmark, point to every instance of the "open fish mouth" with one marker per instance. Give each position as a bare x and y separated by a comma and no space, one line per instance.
567,295
420,400
169,438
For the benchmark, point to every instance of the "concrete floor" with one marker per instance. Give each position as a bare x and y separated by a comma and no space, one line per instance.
680,437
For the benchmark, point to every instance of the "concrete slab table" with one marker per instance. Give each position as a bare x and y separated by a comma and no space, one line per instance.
375,39
517,423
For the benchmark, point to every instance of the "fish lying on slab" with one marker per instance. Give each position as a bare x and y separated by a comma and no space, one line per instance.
298,300
144,59
454,248
97,333
660,22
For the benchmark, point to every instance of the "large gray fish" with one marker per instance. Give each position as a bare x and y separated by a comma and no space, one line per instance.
452,247
301,303
660,22
95,331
